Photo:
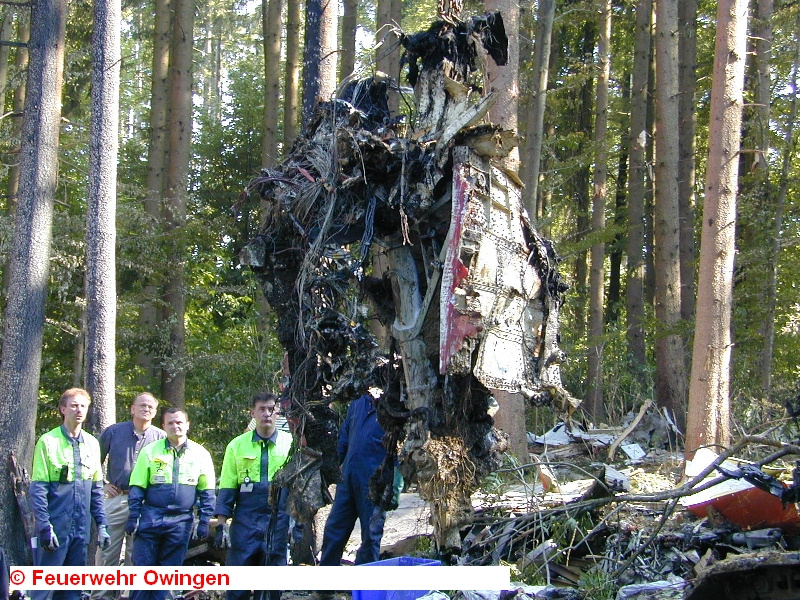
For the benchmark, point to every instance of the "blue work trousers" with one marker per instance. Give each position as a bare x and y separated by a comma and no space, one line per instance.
249,549
351,503
71,553
162,547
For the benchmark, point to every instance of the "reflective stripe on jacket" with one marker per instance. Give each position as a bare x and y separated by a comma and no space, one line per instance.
243,460
166,483
67,483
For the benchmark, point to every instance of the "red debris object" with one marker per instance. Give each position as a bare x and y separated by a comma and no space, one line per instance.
740,502
749,508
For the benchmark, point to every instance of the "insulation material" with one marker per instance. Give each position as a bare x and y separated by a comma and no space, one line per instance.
494,291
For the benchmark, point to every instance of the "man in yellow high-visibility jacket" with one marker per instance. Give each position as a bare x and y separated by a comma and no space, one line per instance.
250,463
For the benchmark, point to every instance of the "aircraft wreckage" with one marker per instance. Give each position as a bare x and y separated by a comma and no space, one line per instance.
396,252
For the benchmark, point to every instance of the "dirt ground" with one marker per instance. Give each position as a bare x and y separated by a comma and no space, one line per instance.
410,519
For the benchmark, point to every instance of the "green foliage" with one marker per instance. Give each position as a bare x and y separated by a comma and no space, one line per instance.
568,532
424,547
497,483
418,15
597,584
533,574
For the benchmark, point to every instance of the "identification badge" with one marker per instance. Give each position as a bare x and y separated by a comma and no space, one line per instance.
246,487
159,479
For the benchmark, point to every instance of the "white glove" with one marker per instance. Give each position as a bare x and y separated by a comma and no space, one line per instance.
48,539
103,539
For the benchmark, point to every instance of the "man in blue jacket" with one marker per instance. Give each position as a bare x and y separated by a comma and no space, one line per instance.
169,479
361,452
66,489
250,463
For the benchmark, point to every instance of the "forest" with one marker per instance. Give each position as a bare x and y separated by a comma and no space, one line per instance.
667,184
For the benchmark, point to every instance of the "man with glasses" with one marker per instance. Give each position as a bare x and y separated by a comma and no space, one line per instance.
250,463
120,444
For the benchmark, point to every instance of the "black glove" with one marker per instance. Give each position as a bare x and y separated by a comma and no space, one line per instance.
130,526
222,536
201,531
48,539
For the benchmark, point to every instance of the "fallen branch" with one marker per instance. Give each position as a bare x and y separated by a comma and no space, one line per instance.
642,547
612,449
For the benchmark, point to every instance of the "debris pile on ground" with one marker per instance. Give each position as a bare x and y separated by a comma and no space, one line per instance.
625,530
629,532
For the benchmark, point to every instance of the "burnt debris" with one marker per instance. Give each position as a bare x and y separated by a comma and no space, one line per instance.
395,250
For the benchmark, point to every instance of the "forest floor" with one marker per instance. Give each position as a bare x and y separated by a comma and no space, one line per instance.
574,525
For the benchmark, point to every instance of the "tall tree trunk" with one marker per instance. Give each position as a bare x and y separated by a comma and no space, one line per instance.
670,370
649,241
173,380
21,65
758,197
211,62
208,58
544,199
637,174
789,151
291,93
687,123
387,55
149,313
594,383
30,256
79,351
527,35
505,79
349,27
101,296
271,12
534,131
136,110
709,394
319,60
762,58
581,181
614,301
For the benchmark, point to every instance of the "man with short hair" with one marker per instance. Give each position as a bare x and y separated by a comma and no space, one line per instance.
169,479
121,443
66,490
258,533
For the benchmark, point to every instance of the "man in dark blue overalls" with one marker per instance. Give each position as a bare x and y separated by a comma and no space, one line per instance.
361,452
170,478
258,532
66,489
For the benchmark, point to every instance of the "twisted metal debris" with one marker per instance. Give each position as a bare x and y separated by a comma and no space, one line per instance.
396,253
